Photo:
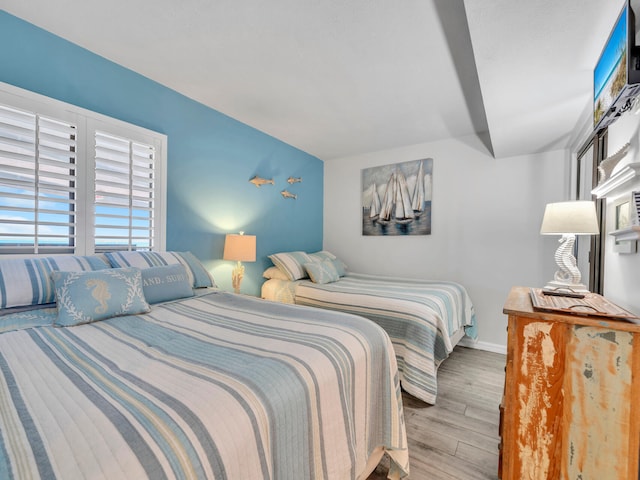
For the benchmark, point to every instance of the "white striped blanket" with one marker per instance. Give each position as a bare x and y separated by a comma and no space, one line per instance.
219,386
420,317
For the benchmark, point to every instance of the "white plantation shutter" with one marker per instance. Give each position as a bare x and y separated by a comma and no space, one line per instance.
37,183
75,181
125,204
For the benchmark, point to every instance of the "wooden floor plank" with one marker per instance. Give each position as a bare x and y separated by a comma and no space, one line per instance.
486,462
458,437
490,415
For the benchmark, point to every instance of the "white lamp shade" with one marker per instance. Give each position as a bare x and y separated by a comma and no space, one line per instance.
241,248
577,217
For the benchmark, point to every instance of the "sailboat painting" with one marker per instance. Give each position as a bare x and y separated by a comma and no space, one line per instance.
396,198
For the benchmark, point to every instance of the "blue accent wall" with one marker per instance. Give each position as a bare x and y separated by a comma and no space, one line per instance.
211,157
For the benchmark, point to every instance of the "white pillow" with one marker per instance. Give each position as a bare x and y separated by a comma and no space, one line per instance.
275,273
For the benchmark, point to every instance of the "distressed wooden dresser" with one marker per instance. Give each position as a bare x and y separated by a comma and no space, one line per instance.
571,405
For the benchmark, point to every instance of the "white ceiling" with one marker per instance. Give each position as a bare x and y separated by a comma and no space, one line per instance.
338,78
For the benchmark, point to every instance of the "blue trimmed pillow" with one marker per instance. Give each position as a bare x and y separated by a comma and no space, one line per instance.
198,275
325,255
27,281
162,284
339,266
84,297
292,263
322,272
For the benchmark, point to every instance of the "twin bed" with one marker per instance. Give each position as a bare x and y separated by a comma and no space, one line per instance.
424,319
209,385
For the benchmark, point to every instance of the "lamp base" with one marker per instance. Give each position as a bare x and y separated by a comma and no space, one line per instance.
568,276
567,286
236,276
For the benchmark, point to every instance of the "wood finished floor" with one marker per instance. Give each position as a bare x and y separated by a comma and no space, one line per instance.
456,439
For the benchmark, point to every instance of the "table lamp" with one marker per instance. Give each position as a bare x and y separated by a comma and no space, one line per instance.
568,219
241,248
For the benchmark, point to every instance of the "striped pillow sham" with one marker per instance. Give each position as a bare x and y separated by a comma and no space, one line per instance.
27,281
292,263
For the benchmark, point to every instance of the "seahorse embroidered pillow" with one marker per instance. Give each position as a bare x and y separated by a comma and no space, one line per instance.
84,297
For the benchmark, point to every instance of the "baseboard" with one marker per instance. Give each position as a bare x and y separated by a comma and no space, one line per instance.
489,347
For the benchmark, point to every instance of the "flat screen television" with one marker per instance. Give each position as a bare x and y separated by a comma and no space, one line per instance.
616,77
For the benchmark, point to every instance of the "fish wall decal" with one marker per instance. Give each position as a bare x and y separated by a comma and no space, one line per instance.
259,181
287,194
292,180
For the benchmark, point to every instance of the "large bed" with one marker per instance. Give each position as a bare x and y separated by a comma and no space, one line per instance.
211,386
425,319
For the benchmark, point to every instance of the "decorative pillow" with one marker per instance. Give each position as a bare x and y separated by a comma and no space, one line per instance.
292,263
322,272
340,267
161,284
325,255
198,275
275,273
27,281
85,297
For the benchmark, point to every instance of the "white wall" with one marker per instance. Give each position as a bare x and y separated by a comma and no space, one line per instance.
622,271
486,216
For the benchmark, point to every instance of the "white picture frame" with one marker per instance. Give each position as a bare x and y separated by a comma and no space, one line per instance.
622,219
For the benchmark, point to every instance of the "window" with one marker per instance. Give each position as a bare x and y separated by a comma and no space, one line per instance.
124,200
74,181
37,183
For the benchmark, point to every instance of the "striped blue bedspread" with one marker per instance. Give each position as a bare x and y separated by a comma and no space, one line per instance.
218,386
420,317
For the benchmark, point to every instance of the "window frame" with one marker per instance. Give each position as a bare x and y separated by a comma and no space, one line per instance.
584,167
87,123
